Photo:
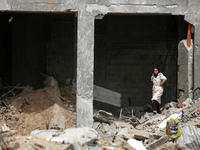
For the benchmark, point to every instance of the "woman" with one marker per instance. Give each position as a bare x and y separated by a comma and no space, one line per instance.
158,80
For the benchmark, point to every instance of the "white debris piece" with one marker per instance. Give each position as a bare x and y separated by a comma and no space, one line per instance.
162,125
4,128
190,137
136,144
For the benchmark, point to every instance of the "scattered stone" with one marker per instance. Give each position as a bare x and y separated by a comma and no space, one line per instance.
140,134
158,143
11,143
125,133
136,144
4,128
103,116
57,121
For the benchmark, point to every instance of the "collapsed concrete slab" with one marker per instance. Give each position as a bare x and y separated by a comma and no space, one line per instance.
69,136
190,138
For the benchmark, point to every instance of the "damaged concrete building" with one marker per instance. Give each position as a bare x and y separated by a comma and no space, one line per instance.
105,48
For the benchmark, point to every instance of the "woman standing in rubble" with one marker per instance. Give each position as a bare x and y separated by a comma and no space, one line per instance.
158,80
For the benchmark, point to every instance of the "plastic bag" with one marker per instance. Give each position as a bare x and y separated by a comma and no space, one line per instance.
172,128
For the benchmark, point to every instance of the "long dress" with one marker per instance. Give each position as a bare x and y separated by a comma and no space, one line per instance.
157,90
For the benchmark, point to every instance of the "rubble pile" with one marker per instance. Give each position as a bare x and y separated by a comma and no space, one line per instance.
33,110
46,119
150,129
28,110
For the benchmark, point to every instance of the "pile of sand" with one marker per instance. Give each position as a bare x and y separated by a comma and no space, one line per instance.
31,110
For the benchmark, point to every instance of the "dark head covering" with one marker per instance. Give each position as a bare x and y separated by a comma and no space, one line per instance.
155,75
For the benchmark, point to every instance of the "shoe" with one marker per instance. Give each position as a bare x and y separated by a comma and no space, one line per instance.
154,112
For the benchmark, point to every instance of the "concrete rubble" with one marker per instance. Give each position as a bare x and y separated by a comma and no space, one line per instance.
46,119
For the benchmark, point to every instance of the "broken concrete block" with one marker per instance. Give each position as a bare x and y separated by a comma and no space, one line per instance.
190,138
103,116
81,135
104,127
140,134
52,82
188,102
134,121
57,122
68,136
45,134
153,137
158,143
112,129
170,146
136,144
162,125
11,143
124,132
4,128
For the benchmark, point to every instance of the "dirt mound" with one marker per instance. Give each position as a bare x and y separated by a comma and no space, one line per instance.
32,110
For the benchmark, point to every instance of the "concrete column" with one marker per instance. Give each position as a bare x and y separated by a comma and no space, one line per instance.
85,69
197,56
185,70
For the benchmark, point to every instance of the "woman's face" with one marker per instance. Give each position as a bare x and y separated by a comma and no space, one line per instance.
155,71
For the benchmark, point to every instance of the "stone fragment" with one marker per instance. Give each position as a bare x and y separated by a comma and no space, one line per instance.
4,128
81,135
104,127
190,137
170,146
158,143
11,143
140,134
103,116
125,133
57,122
112,129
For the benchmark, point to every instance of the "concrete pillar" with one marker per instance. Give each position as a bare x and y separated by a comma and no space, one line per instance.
197,56
185,70
85,69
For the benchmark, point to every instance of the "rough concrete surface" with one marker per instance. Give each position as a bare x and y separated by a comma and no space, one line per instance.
185,70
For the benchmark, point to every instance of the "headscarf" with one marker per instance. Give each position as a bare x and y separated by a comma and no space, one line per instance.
155,75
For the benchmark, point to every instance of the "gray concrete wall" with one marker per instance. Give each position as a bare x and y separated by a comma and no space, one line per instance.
28,50
60,48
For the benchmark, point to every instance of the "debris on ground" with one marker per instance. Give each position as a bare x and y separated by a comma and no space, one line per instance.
46,119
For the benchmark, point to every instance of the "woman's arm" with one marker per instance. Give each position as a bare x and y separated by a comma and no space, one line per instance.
163,79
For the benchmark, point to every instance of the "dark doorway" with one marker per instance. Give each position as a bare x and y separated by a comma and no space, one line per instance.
37,44
127,47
